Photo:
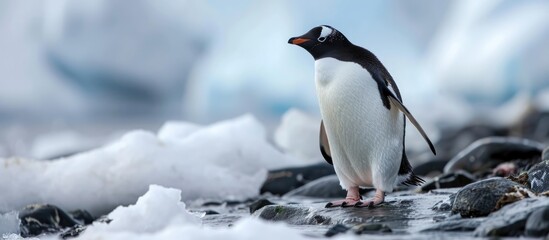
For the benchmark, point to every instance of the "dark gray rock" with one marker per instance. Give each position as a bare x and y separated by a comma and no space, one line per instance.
537,224
371,228
430,168
259,204
455,225
44,219
295,215
485,154
324,187
449,180
284,180
480,198
511,219
336,229
538,177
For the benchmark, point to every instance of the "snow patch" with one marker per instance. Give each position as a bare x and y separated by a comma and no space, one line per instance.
9,224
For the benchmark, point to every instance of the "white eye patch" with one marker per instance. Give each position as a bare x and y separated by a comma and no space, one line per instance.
324,33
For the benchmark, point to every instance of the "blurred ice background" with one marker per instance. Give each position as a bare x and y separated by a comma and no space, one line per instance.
81,72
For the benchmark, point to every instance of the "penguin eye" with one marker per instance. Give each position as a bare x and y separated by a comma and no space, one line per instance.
321,39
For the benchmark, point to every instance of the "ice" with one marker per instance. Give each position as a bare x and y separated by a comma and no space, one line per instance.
298,135
9,223
172,131
226,160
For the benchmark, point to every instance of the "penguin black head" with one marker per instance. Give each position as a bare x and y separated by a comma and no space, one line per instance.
320,41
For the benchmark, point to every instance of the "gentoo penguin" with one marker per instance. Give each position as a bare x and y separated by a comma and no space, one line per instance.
363,118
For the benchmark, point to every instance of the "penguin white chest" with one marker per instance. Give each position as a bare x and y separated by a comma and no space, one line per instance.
365,137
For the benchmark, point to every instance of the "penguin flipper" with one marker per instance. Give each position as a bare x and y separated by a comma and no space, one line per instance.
324,144
393,99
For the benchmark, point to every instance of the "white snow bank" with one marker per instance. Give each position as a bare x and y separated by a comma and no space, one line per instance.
226,160
298,135
159,214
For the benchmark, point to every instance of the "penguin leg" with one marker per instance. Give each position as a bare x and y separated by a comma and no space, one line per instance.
377,199
353,197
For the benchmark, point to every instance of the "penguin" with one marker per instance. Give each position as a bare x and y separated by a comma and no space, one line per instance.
363,118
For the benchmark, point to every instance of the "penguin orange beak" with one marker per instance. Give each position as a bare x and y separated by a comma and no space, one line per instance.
298,40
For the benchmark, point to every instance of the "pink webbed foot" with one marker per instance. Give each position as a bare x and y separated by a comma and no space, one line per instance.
376,200
353,198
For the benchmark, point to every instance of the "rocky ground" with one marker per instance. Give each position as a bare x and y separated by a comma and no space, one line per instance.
487,182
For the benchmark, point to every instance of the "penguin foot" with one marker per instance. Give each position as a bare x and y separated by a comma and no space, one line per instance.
370,203
347,202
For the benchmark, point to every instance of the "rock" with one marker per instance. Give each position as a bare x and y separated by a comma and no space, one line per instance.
294,215
430,168
487,153
442,206
82,216
259,204
44,219
538,177
545,154
324,187
537,224
211,212
455,225
284,180
336,229
480,198
449,180
511,219
370,228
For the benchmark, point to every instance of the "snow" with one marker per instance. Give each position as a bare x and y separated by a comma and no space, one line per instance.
226,160
9,223
159,214
60,143
298,135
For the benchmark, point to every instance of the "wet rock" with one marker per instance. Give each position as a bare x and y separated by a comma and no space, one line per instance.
480,198
44,219
455,225
511,219
324,187
485,154
442,206
259,204
449,180
537,224
284,180
538,177
336,229
371,228
430,168
295,215
535,125
211,212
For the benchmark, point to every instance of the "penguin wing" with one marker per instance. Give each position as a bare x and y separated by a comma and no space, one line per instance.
394,100
324,144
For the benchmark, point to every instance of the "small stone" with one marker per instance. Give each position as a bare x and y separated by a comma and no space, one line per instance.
454,225
210,212
44,219
295,215
537,224
480,198
449,180
442,206
259,204
369,228
336,229
538,177
486,153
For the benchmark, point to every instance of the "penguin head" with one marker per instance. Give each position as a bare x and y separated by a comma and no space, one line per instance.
320,40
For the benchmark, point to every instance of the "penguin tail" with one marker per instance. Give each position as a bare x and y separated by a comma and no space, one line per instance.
413,180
